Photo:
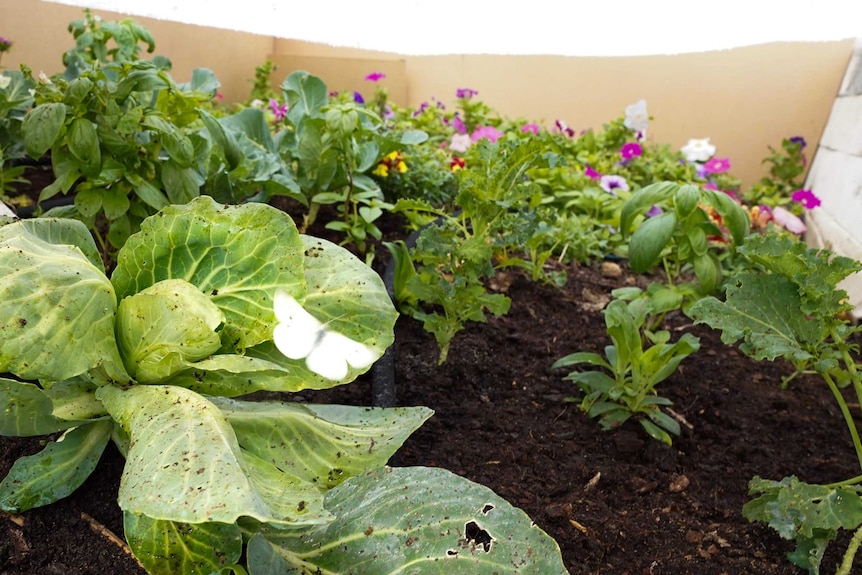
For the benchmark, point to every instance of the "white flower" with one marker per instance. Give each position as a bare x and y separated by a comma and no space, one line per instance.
460,143
4,81
44,79
637,118
611,184
698,150
787,220
257,103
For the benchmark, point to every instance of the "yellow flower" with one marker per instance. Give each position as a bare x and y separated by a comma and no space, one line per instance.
381,170
401,167
393,156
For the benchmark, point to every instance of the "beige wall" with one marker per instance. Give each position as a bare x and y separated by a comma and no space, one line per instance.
744,99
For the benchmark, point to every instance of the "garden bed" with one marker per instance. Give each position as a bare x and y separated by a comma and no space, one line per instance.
616,502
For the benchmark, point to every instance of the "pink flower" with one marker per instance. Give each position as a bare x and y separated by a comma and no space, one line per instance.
375,77
591,173
458,124
530,128
280,111
710,186
630,150
460,143
611,184
787,220
717,165
806,198
465,93
489,132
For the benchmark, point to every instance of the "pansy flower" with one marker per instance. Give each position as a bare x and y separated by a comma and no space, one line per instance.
564,128
630,150
375,77
698,150
611,184
807,198
489,132
717,165
457,164
392,161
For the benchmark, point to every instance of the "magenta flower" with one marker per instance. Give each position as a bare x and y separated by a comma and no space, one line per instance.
458,124
630,150
530,128
564,128
465,93
489,132
806,198
375,77
280,111
5,44
591,173
717,165
422,107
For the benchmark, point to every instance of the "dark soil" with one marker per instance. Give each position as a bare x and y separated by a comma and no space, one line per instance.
616,502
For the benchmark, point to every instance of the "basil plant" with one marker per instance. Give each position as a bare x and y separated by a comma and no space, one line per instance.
156,357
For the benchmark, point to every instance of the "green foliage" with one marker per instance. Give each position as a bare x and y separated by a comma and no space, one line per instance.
153,358
786,171
635,371
262,87
787,304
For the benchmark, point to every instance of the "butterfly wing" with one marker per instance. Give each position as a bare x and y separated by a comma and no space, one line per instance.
334,351
298,331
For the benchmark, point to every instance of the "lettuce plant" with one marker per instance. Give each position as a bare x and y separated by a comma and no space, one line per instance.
156,358
786,304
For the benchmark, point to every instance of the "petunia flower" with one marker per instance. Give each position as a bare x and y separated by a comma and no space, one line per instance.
637,118
654,211
5,81
630,150
530,128
357,97
375,77
717,165
458,124
489,132
387,112
460,143
564,128
280,111
807,198
457,164
698,150
787,220
5,44
465,93
799,140
611,184
591,173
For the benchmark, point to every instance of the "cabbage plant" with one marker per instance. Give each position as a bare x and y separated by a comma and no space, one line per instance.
156,359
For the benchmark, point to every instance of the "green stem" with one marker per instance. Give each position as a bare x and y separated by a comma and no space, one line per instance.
850,554
851,481
848,417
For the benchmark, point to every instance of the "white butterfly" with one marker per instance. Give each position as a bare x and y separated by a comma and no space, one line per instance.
327,353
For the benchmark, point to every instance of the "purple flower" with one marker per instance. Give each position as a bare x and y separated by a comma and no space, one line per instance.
591,173
612,183
280,111
458,124
333,93
654,211
530,128
5,44
357,97
387,112
807,198
489,132
799,140
630,150
422,107
375,77
465,93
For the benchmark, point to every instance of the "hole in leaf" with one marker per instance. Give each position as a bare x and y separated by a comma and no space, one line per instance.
487,509
451,552
477,536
